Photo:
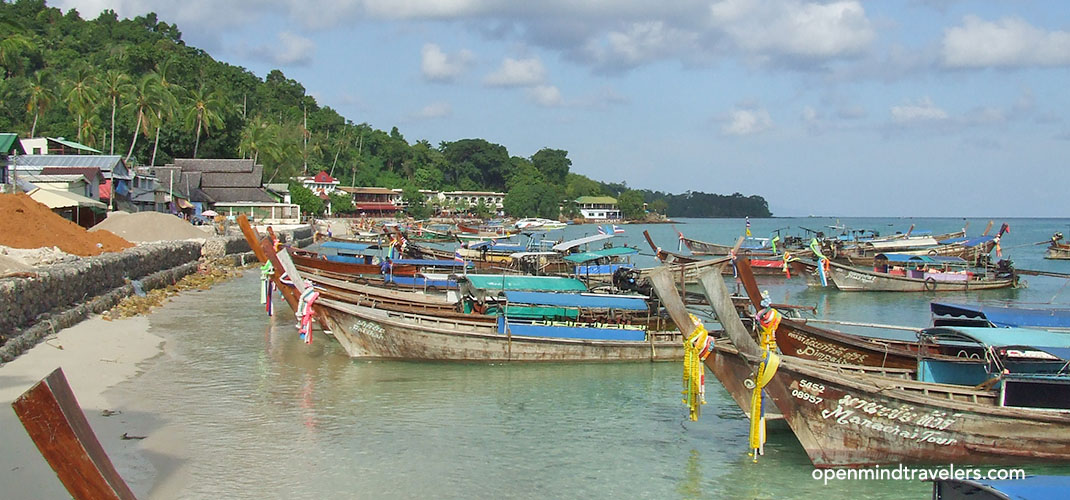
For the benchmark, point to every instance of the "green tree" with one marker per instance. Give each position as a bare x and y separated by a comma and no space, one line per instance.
578,185
204,111
341,203
306,199
532,200
81,94
631,204
167,101
553,163
142,100
114,86
41,96
660,206
415,204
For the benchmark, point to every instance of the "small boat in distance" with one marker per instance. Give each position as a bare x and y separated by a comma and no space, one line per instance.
538,224
1058,250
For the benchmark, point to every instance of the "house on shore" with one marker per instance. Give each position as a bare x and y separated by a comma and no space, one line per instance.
55,146
598,208
112,172
374,201
228,186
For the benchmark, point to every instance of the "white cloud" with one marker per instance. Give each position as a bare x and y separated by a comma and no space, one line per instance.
639,43
547,96
1009,42
438,66
517,73
434,110
294,49
747,122
921,111
792,27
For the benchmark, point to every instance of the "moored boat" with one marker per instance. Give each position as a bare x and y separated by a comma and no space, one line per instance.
920,273
1056,249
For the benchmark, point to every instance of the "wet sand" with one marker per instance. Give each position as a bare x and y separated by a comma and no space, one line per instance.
95,355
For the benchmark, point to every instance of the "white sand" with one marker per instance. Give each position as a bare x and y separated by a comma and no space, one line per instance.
151,226
94,355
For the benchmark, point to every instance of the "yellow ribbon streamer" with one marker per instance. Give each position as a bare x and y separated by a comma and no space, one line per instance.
696,349
768,319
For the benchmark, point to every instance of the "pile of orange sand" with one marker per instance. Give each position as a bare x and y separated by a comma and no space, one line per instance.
26,223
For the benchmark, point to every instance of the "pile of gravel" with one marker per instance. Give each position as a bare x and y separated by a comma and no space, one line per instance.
151,226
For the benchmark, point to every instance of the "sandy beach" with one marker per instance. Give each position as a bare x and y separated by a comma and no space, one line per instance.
95,355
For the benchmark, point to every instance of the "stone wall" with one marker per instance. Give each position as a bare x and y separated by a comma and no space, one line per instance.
61,295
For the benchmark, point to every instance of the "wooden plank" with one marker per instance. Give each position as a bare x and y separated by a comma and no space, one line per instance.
56,424
662,281
721,300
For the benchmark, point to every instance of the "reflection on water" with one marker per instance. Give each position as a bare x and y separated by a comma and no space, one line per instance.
264,415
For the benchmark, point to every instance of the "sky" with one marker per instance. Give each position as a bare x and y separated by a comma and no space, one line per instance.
883,108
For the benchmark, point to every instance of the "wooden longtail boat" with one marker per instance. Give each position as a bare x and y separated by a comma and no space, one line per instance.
312,262
1057,250
856,416
772,266
753,247
939,275
366,332
955,244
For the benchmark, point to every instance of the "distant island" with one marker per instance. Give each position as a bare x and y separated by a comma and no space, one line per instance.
133,87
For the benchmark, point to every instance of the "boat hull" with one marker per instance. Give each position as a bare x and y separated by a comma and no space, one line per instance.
845,419
851,279
376,334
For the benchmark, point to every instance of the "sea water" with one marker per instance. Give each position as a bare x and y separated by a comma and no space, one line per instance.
260,414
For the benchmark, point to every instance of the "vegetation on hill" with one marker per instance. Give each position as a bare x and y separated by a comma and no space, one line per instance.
133,87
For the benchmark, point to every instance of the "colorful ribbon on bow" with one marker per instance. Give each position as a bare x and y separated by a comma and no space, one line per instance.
768,319
266,286
697,348
304,313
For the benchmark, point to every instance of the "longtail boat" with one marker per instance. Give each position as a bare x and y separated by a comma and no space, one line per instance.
771,265
974,250
313,262
854,416
1056,249
1001,315
920,273
366,332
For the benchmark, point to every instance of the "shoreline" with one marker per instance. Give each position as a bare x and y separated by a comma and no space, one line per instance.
101,359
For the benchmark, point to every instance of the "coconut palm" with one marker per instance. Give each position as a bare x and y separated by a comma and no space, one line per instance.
258,137
12,45
204,110
167,104
114,86
81,94
41,96
142,99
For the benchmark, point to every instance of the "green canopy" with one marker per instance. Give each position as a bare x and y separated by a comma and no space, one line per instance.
498,282
600,254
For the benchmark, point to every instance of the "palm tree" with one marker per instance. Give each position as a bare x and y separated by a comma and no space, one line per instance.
204,110
12,45
258,137
81,95
142,102
115,85
167,103
41,96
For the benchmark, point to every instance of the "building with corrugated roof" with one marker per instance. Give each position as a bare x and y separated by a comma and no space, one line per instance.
598,207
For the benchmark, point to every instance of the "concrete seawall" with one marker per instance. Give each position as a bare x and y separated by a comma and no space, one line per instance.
61,295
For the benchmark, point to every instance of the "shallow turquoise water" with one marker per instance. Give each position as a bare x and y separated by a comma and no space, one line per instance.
263,415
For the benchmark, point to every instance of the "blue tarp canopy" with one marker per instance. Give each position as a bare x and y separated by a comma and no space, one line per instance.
1029,488
919,259
1001,316
342,245
590,301
428,262
601,254
999,337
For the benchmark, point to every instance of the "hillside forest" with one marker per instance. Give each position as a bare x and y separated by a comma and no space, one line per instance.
132,87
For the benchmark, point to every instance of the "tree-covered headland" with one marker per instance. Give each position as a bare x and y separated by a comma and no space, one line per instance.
133,87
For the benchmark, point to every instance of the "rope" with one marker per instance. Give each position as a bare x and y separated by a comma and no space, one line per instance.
768,320
697,348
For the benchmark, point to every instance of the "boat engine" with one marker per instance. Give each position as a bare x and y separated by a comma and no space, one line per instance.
1004,268
629,279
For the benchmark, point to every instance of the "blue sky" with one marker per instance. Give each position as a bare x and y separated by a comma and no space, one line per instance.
889,108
